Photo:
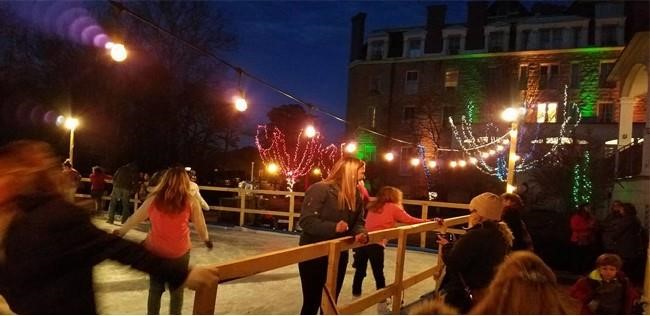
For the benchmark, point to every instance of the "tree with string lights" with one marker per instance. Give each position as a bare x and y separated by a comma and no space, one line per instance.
293,162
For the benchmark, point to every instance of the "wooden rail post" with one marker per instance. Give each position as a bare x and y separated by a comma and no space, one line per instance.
400,258
332,272
242,205
204,300
423,235
292,205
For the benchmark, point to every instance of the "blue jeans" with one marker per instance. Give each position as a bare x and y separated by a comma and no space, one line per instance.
123,195
157,287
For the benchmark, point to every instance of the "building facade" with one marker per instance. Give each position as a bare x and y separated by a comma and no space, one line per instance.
406,82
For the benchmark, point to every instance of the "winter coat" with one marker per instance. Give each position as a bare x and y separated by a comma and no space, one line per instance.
522,239
582,230
622,235
320,214
51,247
584,291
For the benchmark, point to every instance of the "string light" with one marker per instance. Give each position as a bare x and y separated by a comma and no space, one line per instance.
415,162
389,156
310,131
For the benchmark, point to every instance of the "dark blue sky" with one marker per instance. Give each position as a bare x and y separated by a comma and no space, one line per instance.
303,48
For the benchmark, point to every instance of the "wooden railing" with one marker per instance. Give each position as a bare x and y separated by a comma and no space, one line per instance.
291,214
205,299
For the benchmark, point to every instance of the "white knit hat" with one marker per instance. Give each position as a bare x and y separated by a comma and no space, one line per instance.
488,205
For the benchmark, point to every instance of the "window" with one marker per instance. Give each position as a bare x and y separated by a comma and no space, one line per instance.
576,76
546,112
577,34
372,116
549,76
523,77
411,84
409,113
556,37
375,85
376,50
605,69
451,78
496,41
545,38
525,37
551,38
453,45
414,47
608,35
606,112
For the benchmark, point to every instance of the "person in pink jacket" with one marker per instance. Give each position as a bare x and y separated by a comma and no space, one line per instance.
383,213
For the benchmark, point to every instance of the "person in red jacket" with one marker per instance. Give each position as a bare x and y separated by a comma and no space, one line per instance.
583,239
383,213
606,290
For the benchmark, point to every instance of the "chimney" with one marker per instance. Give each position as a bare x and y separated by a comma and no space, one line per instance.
476,19
435,24
356,36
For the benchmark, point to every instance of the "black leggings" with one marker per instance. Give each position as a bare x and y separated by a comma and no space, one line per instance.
374,253
313,274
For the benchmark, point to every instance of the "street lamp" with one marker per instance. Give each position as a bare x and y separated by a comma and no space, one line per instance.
512,115
71,123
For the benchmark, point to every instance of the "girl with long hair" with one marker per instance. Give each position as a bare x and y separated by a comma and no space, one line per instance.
332,208
523,285
169,207
385,212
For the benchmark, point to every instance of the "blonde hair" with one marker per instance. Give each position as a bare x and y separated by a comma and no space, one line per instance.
522,276
172,194
344,174
33,168
385,195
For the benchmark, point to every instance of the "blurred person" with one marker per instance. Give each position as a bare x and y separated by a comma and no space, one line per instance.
169,207
513,206
623,235
583,239
49,246
124,181
606,290
332,208
194,191
522,285
385,212
472,260
71,180
98,187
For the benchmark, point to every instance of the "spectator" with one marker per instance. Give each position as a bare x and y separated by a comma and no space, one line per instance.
383,213
523,285
169,208
513,206
332,208
583,238
49,245
606,290
195,192
622,235
71,180
472,260
123,184
98,187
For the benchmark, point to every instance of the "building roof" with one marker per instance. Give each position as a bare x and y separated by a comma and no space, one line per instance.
637,49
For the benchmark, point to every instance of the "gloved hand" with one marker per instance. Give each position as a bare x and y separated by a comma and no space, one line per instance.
208,244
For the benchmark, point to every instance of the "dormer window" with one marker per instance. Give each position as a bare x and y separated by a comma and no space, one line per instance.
376,50
496,41
453,44
414,47
608,35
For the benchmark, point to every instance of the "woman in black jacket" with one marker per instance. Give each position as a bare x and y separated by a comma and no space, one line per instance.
331,209
49,246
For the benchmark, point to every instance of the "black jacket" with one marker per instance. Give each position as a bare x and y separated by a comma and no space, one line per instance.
51,247
522,241
477,254
320,213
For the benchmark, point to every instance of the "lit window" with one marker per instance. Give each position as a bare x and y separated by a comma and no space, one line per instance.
451,78
547,112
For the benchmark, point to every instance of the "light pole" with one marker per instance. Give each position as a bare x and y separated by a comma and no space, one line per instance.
71,123
512,115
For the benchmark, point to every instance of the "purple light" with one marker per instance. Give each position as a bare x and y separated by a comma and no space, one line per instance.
89,33
100,40
50,117
65,19
80,23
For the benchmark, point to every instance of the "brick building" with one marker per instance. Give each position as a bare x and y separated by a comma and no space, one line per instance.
406,82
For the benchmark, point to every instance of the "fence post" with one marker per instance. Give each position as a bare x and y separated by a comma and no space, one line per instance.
332,272
204,300
423,235
292,205
400,257
242,205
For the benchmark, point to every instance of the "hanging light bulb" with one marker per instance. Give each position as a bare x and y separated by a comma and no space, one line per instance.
462,163
453,164
117,51
415,162
240,100
473,160
351,147
310,131
432,164
389,156
485,155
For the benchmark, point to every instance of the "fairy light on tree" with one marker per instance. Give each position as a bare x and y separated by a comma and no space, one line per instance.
293,165
327,158
581,188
